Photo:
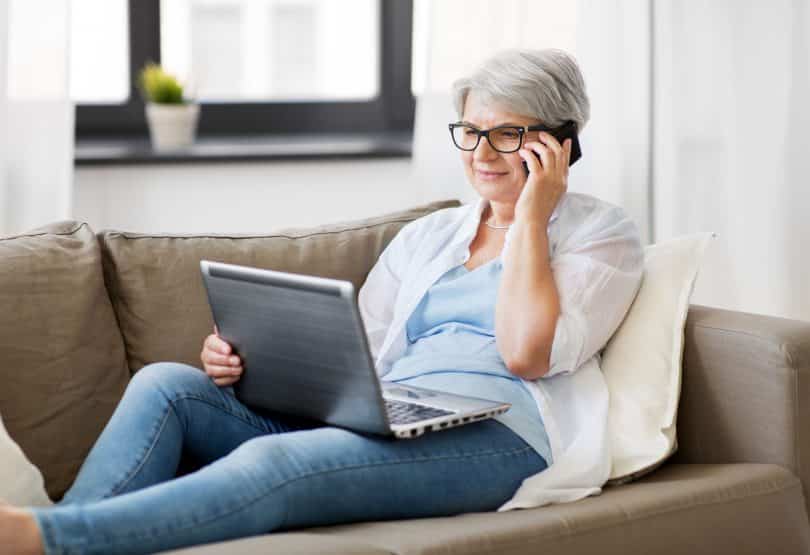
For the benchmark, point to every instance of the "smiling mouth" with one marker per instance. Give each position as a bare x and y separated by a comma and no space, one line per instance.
484,173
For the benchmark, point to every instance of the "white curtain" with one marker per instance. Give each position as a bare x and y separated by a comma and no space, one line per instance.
613,48
699,122
3,115
731,148
36,113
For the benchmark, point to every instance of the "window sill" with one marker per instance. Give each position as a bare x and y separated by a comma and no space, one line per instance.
138,151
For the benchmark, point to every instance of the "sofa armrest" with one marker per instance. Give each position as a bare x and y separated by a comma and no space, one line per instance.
745,394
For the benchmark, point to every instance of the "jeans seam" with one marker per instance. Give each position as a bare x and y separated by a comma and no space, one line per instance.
172,401
134,472
263,494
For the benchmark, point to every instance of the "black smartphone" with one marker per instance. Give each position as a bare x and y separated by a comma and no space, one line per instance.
566,131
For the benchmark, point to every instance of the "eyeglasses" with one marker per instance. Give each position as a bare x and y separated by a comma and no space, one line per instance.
504,138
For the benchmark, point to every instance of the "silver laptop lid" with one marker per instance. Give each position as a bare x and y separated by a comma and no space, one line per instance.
302,342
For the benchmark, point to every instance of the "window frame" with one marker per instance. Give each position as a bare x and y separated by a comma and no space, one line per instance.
391,110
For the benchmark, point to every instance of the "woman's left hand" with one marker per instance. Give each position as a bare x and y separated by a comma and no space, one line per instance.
546,183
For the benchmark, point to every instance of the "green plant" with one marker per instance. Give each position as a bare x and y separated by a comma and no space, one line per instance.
158,86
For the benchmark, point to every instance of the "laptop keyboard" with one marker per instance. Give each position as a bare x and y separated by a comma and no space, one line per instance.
400,412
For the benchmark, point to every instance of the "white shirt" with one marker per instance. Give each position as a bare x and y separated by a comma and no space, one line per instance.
597,261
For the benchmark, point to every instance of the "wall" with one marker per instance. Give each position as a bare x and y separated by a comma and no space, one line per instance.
36,115
732,83
243,197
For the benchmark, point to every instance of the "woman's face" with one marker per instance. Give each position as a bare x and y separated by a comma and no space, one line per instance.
494,175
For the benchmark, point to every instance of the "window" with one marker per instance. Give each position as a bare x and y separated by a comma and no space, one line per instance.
273,50
257,66
99,75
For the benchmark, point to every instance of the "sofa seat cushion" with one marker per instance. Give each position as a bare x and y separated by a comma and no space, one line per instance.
62,364
157,292
680,508
293,543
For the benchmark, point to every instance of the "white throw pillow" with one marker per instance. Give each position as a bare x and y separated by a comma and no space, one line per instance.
642,360
21,482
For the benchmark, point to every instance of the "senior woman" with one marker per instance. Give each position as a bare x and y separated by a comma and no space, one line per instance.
511,297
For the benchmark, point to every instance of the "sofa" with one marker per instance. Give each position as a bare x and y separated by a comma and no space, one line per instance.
82,311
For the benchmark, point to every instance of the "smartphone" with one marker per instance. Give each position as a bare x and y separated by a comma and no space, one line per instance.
567,131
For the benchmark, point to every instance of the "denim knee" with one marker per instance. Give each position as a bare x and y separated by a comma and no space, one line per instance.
262,461
170,378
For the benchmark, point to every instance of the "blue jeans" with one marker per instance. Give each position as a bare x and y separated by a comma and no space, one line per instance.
260,471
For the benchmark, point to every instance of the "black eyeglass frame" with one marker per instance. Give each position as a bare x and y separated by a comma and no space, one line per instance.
521,129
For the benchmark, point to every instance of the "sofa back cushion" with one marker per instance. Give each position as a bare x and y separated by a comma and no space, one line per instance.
157,291
62,363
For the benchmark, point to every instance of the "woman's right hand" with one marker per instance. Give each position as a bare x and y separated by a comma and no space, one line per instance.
219,362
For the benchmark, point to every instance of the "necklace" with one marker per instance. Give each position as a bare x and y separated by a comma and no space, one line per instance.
497,226
492,226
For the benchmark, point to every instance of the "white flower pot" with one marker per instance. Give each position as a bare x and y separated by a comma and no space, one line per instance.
172,126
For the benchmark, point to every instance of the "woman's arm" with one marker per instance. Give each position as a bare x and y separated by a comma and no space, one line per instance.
596,272
554,315
528,304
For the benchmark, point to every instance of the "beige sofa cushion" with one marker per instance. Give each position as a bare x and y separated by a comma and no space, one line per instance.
293,543
63,368
744,509
155,285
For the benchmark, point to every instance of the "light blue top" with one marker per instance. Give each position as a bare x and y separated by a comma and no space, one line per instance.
451,347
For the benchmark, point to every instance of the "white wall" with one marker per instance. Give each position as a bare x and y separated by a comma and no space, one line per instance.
731,148
243,197
36,115
3,114
613,50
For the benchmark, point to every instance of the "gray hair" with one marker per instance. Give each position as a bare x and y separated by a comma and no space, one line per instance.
544,84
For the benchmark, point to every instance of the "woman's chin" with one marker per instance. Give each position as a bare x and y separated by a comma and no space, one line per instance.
498,190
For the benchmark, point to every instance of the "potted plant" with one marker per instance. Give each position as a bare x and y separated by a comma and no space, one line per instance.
172,117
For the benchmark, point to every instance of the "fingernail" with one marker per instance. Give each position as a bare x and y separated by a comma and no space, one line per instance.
234,360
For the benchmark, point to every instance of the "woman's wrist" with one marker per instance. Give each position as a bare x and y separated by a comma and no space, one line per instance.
529,239
531,223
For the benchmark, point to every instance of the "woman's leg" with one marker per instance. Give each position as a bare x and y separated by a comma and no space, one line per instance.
168,408
300,479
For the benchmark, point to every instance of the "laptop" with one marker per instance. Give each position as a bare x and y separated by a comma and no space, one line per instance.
304,352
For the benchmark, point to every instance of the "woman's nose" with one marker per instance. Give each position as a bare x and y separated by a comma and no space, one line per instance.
484,150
